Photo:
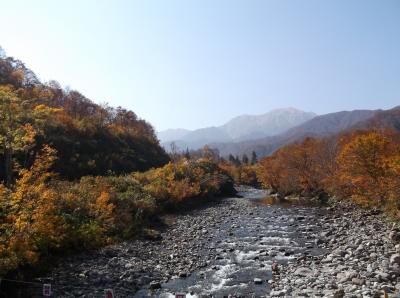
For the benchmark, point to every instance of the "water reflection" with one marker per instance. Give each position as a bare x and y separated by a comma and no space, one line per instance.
286,202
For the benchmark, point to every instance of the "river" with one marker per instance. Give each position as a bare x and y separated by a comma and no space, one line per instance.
245,247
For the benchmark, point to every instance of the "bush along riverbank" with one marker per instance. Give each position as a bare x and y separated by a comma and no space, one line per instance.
42,216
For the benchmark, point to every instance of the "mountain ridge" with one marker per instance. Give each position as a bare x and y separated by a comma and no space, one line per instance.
320,126
239,128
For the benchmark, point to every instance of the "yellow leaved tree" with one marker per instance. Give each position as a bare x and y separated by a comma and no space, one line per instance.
20,122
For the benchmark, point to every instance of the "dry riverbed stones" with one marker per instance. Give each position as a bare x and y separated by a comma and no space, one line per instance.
361,260
361,256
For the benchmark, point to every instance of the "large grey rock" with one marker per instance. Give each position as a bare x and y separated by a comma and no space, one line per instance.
358,281
275,293
394,235
338,293
155,285
303,271
395,259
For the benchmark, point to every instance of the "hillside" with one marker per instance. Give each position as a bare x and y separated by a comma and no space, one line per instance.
244,127
319,126
77,176
386,119
90,139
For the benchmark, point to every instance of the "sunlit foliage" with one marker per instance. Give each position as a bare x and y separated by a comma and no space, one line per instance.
362,165
242,173
184,179
42,215
368,167
47,134
90,139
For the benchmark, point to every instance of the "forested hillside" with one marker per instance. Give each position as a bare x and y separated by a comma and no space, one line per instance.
76,175
361,163
90,139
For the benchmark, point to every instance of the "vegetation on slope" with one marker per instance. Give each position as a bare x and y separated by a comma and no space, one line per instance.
78,175
363,165
90,139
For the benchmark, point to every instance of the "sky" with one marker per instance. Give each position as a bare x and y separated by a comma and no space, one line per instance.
191,64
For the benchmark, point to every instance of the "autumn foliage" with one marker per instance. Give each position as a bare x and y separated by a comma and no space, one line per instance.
90,139
185,179
76,175
38,217
368,168
362,165
243,174
44,215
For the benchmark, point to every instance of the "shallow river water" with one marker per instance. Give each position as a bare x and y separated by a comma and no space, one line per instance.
245,248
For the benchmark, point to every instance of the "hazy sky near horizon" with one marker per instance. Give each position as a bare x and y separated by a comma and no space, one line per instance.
193,64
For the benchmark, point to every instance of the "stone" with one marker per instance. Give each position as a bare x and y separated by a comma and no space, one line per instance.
303,271
338,293
318,241
395,259
182,274
358,281
394,235
383,276
258,281
155,285
275,293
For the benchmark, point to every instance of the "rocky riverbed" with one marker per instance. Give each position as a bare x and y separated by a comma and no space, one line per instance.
227,248
361,258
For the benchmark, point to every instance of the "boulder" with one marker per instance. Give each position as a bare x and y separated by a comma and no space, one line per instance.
303,271
358,281
395,259
394,235
155,285
338,293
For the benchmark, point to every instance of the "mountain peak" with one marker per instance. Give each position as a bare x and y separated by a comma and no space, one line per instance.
243,127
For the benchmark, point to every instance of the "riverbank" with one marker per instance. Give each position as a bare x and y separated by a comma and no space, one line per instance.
227,247
361,260
182,248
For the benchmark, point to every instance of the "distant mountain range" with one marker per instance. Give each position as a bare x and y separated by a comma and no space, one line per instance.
241,128
244,140
319,126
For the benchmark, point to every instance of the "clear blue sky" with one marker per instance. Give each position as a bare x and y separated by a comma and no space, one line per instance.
198,63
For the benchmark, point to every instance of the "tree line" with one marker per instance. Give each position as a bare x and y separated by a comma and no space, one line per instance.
362,165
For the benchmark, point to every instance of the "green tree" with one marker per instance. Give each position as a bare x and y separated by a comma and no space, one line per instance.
253,158
187,153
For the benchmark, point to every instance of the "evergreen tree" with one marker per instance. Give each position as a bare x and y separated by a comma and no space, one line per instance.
237,161
187,153
253,158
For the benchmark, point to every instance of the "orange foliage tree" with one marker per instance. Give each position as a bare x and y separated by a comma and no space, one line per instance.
368,166
36,217
299,168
